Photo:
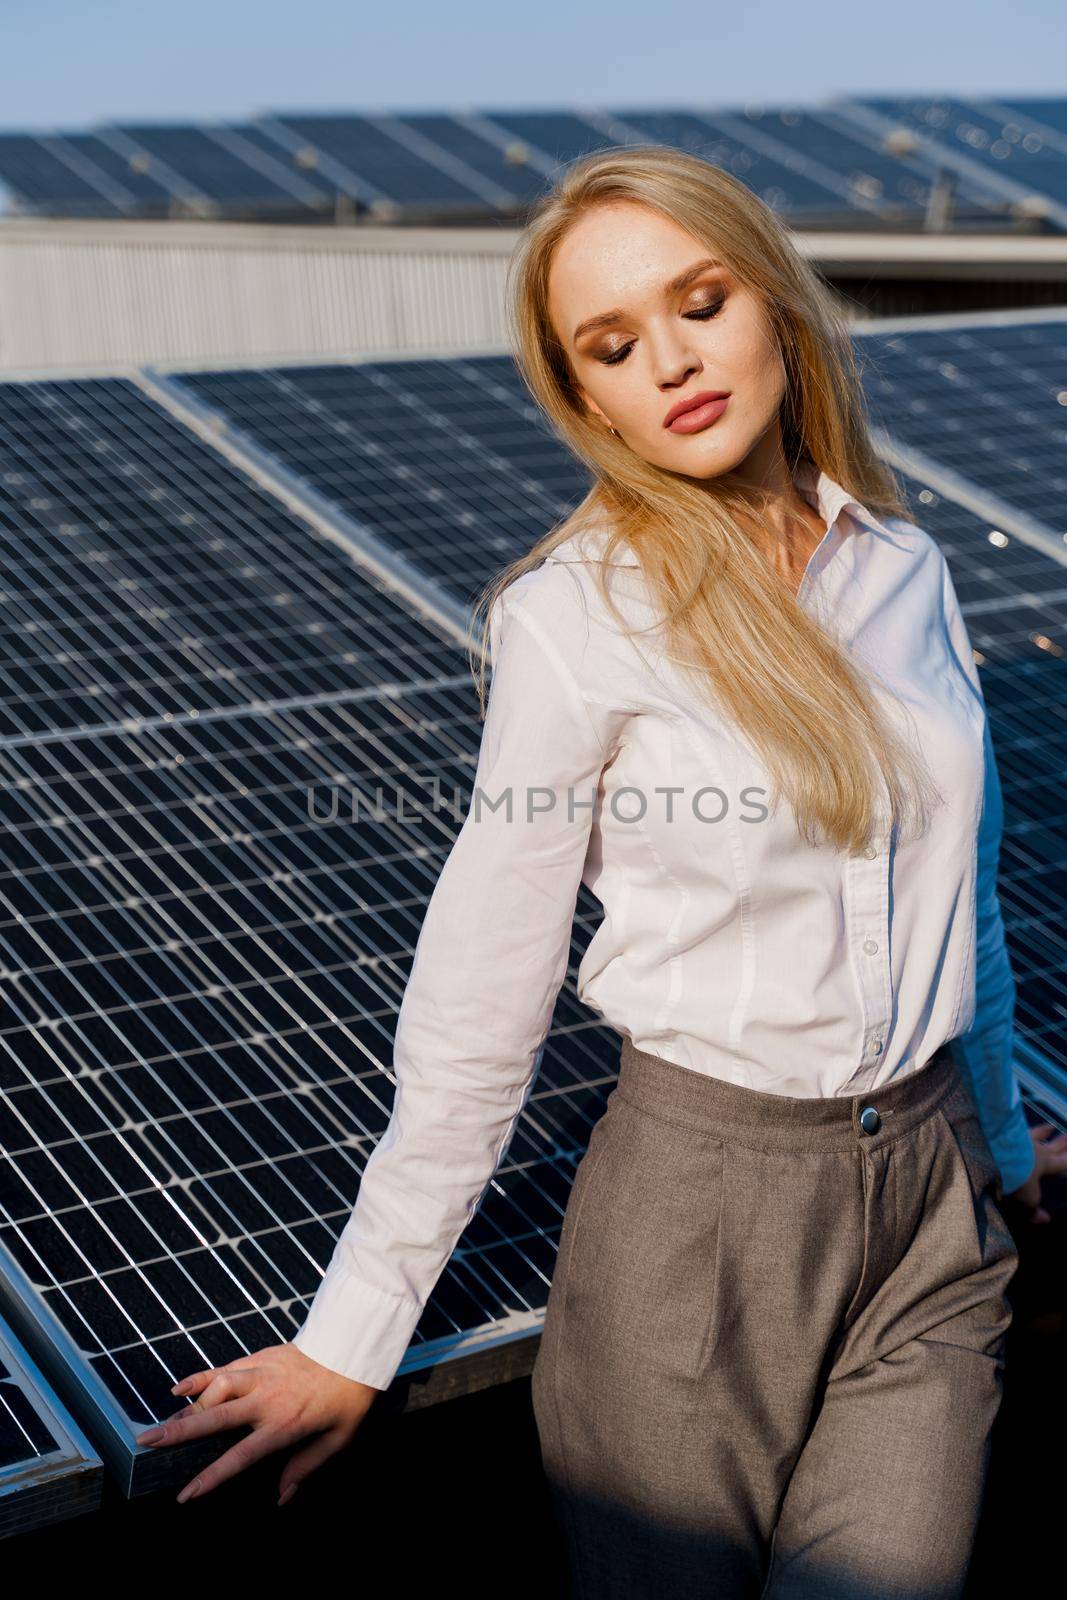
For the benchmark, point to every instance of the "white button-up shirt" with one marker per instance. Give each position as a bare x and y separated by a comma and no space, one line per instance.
728,944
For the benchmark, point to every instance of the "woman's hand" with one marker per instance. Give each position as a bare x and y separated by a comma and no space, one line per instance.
283,1396
1050,1156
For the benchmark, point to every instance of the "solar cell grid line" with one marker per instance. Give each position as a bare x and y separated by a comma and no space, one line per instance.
445,459
985,397
144,575
96,1091
48,1469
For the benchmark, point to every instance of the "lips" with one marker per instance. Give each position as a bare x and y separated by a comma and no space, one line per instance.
697,411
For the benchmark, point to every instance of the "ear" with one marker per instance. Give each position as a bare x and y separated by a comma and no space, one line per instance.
590,404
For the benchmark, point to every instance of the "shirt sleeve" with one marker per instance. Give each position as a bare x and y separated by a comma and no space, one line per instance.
986,1051
490,959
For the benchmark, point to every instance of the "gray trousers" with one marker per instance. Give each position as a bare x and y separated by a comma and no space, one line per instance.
774,1344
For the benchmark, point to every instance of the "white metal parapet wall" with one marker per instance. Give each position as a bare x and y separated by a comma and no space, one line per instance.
106,296
100,296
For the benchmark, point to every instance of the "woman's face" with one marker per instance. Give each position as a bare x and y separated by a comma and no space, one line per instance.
670,325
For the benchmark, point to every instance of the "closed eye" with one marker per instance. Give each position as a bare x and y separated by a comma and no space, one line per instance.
703,314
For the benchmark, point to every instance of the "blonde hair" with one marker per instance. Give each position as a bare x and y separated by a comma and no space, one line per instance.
785,684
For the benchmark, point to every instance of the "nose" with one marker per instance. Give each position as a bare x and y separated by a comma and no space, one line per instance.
674,362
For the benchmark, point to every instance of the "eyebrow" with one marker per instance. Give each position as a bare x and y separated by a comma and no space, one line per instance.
675,286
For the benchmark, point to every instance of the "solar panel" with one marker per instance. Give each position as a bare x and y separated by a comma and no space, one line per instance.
301,164
840,165
480,477
1014,598
139,184
980,142
446,460
789,186
856,163
1050,113
235,175
36,173
561,136
396,170
48,1469
201,971
984,398
203,985
460,145
141,577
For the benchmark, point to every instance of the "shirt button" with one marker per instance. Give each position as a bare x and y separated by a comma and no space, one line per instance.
870,947
870,852
870,1121
876,1047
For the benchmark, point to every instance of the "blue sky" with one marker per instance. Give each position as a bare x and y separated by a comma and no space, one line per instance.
69,63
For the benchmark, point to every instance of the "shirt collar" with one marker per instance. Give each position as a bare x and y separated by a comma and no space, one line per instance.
830,499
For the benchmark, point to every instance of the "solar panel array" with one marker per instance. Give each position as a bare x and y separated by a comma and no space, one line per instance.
853,164
203,947
202,974
481,475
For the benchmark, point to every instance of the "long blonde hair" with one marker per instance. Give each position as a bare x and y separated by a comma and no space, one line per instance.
785,684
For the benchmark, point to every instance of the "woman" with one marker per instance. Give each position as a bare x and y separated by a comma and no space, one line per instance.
733,693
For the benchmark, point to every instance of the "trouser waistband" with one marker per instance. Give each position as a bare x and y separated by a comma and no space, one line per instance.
696,1100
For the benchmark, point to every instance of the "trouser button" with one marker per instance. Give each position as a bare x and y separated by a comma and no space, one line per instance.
870,1121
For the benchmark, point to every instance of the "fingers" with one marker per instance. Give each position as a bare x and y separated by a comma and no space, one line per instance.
253,1447
238,1375
189,1424
195,1381
303,1463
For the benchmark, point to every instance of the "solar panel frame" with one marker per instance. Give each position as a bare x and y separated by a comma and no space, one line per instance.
48,1469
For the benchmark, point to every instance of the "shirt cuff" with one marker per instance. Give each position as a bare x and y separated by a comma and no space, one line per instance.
356,1329
1014,1153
